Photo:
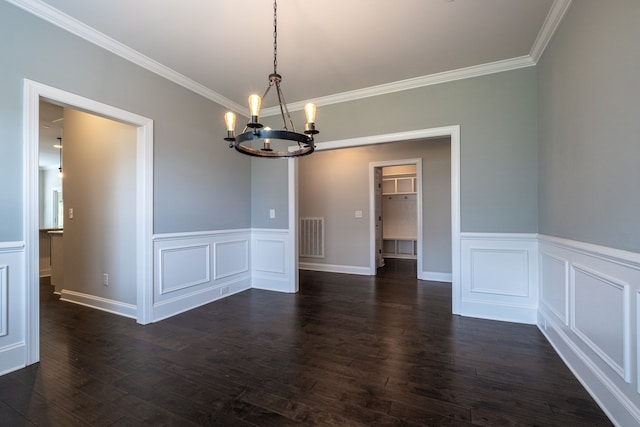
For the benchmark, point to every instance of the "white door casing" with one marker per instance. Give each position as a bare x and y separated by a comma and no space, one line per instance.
33,91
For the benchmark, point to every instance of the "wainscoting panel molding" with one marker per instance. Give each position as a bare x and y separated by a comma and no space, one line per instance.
183,263
4,300
554,270
271,266
183,267
499,276
231,258
13,353
607,336
599,342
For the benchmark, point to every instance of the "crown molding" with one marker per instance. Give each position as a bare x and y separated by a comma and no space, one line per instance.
413,83
552,21
72,25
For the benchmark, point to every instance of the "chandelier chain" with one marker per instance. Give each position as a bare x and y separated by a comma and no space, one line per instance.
275,37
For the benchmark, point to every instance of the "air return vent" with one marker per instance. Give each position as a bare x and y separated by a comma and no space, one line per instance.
312,237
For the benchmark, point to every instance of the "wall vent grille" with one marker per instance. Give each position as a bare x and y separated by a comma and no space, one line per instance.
312,237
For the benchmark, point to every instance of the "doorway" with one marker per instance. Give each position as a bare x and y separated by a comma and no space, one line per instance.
33,93
451,132
395,194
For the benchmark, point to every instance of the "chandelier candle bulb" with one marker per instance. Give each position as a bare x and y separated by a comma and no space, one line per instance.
267,142
310,112
230,120
254,110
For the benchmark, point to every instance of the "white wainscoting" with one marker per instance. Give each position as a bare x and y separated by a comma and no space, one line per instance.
590,312
499,276
271,265
193,269
12,303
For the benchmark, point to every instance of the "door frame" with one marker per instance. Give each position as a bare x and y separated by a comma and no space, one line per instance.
32,93
452,132
372,219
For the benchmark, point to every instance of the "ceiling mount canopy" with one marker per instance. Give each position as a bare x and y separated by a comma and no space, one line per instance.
255,139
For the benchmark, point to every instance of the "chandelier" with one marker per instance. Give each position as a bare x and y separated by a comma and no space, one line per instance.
255,139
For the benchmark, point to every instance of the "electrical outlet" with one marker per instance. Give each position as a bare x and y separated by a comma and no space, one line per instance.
224,290
272,213
105,279
70,213
358,214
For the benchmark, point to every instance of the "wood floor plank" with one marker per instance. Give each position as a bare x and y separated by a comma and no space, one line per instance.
345,351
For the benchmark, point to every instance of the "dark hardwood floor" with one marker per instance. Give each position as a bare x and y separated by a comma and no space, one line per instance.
345,351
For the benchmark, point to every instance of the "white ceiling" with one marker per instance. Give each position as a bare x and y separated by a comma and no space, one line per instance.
224,49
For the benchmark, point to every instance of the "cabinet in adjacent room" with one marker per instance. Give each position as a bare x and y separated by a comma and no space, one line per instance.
399,212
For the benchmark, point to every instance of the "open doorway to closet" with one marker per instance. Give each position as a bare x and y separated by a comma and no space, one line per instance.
395,193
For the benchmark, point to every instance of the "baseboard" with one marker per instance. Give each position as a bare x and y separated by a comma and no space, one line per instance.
99,303
271,284
434,276
12,357
332,268
508,312
182,303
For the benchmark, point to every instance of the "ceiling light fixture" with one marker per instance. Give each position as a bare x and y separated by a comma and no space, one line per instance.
59,146
263,137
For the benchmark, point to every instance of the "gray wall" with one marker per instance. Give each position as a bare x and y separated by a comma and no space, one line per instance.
99,184
265,180
199,184
499,159
589,110
334,184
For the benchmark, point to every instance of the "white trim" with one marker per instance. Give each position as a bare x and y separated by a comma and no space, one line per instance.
293,256
623,371
500,276
563,317
331,268
412,83
4,300
453,132
218,249
610,382
13,357
272,261
32,93
6,247
551,23
199,297
199,234
598,385
637,341
82,30
625,258
99,303
162,252
434,276
417,162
